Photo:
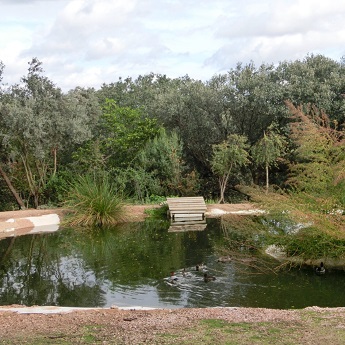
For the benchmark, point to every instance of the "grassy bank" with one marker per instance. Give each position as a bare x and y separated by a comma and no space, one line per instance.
183,326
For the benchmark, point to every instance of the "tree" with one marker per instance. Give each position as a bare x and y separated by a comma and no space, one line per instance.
11,188
318,163
316,80
124,131
253,99
268,149
229,155
38,121
2,171
162,158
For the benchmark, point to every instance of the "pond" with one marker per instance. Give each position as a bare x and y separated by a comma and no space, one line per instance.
127,266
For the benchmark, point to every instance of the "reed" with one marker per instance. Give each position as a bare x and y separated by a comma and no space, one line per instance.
92,201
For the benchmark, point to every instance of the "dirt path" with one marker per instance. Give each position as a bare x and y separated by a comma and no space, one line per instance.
134,212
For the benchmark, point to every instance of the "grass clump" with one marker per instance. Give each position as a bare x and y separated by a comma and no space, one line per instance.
92,201
158,213
310,243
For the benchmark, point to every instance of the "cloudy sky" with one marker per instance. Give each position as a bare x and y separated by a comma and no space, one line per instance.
91,42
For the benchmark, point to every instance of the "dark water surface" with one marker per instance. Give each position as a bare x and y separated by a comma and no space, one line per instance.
126,266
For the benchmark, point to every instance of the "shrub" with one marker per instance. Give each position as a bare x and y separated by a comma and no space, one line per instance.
93,201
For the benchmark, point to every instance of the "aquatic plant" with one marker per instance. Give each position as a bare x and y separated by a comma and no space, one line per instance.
309,243
92,201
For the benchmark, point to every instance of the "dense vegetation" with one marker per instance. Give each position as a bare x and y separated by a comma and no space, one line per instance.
279,127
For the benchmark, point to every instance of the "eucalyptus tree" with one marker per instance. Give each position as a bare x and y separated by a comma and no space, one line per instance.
229,156
3,158
38,121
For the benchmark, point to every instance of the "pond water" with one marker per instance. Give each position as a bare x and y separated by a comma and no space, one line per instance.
127,265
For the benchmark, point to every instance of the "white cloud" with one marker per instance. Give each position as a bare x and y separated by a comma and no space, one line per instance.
89,42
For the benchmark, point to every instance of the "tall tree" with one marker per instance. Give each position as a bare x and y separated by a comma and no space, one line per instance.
319,155
162,157
268,149
123,132
38,120
253,97
315,80
229,155
2,171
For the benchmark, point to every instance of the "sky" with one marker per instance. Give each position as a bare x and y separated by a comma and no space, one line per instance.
90,42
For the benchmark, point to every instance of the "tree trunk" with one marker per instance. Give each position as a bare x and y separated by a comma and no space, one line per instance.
221,189
267,183
55,160
223,181
13,191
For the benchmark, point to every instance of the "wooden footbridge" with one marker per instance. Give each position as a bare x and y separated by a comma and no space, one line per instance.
186,209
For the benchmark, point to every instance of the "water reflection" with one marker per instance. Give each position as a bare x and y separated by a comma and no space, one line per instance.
194,225
126,266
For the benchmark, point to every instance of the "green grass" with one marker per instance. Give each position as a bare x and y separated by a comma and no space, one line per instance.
157,213
93,202
308,327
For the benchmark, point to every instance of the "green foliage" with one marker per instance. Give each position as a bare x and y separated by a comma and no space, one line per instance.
56,187
88,158
314,80
43,130
244,101
157,170
158,213
268,149
93,201
229,156
194,110
255,98
39,127
162,159
318,163
137,183
310,243
156,199
124,131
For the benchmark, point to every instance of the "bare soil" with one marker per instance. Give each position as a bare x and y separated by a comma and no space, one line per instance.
132,212
177,326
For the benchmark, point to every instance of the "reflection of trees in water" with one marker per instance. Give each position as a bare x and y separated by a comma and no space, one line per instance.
72,266
31,274
244,240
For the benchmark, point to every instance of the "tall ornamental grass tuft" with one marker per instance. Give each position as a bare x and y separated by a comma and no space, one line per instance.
92,201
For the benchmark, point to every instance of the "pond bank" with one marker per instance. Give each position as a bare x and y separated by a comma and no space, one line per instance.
22,222
312,326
